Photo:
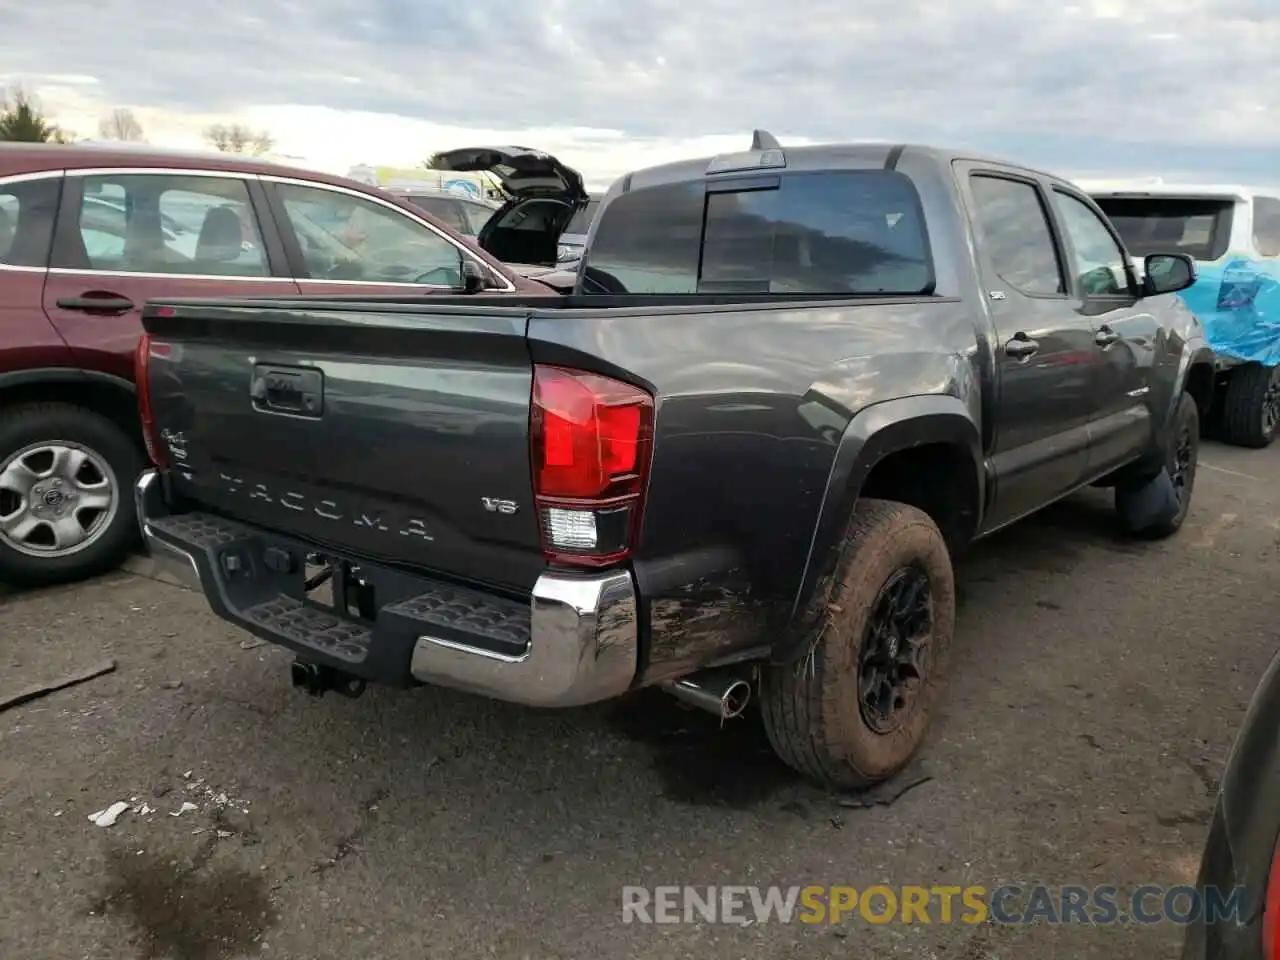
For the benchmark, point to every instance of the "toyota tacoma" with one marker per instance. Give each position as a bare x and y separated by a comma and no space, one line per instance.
735,462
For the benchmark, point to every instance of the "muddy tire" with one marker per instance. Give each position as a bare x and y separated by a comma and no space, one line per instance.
1157,508
1251,406
854,711
66,493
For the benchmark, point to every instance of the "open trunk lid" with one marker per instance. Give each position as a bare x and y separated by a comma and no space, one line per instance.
402,436
545,196
524,173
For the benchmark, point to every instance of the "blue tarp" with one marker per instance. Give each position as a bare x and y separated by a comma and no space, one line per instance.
1238,301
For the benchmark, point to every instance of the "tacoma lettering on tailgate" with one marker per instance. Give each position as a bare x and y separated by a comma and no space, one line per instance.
326,509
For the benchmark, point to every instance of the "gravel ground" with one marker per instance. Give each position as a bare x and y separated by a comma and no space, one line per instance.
1096,688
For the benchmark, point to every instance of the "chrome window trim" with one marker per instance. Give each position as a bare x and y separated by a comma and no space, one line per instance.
40,175
508,286
162,172
218,277
379,283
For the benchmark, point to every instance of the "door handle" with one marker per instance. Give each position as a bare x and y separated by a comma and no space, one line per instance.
1021,346
1105,337
88,304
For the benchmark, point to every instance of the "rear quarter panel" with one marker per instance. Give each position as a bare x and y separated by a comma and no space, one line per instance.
752,405
28,341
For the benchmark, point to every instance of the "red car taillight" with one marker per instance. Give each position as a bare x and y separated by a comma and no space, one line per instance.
1271,912
592,440
147,349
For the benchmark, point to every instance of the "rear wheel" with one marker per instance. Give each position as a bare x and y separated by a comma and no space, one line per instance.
66,493
1251,406
855,710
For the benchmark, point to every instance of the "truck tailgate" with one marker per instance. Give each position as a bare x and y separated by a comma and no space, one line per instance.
402,436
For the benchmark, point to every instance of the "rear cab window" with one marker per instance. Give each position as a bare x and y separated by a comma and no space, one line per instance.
1200,228
27,211
856,233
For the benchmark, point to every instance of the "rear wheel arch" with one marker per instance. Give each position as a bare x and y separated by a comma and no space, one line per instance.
924,451
113,397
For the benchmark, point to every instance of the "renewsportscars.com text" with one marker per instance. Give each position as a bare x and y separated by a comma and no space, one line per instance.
881,904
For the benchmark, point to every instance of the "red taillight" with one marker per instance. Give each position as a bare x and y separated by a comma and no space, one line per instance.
1271,912
146,350
591,440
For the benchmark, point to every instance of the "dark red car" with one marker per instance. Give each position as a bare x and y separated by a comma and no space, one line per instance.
88,233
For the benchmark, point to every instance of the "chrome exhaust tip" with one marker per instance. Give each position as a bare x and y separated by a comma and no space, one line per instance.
726,697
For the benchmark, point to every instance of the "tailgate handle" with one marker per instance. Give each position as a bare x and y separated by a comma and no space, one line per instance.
298,391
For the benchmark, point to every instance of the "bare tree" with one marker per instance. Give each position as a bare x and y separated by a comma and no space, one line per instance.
435,162
120,124
237,138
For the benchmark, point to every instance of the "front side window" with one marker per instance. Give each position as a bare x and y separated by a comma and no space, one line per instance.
1100,261
1016,235
1266,226
27,210
345,237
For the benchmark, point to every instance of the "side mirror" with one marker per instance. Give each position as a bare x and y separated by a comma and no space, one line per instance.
1167,273
473,276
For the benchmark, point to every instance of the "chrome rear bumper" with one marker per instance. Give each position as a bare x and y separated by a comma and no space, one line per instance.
582,644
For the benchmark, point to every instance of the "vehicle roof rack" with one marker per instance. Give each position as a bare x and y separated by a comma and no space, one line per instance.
764,140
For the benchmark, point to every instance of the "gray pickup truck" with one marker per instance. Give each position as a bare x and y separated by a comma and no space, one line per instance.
735,462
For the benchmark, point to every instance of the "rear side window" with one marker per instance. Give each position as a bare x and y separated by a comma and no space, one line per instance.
27,209
1266,226
166,224
854,232
1016,236
1198,228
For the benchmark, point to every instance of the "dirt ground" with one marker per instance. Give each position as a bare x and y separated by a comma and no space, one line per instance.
1097,685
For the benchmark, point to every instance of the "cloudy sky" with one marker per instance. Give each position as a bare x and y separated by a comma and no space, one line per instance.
1180,88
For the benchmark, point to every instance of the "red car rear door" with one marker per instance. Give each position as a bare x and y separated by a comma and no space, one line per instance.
126,236
28,207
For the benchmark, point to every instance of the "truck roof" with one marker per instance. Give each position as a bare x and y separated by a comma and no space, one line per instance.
857,155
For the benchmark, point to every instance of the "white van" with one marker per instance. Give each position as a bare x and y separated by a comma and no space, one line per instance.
1233,232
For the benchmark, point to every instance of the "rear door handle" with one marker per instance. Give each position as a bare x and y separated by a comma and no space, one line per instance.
110,304
1105,337
1021,346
